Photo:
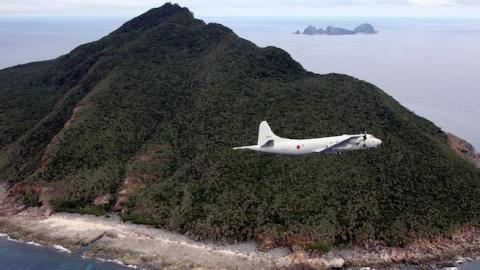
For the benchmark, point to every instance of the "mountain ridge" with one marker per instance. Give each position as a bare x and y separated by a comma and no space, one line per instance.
142,121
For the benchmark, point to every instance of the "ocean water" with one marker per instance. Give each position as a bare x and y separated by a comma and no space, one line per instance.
26,39
21,256
470,266
430,65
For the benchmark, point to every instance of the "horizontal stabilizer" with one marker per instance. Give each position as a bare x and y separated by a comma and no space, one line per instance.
251,147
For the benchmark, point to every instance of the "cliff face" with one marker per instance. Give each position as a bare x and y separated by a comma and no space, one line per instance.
142,122
464,149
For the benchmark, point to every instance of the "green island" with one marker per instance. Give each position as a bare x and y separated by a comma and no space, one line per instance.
141,123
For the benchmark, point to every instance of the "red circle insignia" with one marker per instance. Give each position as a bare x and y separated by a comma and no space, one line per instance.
298,146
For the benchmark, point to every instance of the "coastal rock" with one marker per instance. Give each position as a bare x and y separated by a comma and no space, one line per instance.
365,28
464,149
300,258
131,184
159,249
398,255
10,202
364,257
102,200
334,31
3,192
335,262
296,33
310,30
138,245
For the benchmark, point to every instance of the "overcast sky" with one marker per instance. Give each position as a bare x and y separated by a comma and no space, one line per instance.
271,8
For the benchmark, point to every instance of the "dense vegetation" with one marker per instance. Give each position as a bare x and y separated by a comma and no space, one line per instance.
156,106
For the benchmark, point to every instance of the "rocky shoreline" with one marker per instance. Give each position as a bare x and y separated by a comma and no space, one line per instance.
150,248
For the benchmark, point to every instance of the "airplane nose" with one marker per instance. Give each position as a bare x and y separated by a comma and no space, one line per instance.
379,141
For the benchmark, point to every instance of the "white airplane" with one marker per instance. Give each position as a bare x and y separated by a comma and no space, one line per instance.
270,143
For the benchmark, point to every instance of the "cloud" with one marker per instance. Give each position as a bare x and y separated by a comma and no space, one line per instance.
445,2
433,2
26,6
235,7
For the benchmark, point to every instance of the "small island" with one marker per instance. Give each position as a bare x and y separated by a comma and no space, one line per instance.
336,31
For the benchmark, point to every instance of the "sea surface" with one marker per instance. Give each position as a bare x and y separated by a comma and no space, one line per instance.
16,255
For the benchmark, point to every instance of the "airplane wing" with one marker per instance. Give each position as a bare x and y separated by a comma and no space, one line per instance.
339,144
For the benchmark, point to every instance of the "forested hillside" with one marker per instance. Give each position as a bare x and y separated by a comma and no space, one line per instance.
142,122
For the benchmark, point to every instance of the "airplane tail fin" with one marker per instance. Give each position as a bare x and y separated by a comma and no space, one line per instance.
265,134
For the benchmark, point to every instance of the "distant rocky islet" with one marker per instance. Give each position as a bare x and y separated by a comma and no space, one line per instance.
335,31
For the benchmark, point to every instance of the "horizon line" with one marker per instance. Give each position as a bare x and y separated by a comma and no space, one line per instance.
124,16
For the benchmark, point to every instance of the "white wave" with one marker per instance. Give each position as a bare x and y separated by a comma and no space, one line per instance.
120,263
2,235
112,261
62,249
33,244
11,239
14,240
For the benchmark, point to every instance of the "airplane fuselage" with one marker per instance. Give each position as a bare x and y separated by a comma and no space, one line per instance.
268,142
300,147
